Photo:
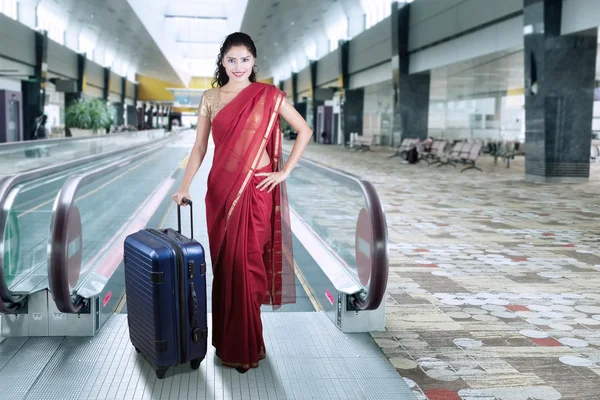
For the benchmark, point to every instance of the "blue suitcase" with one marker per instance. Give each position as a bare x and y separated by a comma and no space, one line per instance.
165,282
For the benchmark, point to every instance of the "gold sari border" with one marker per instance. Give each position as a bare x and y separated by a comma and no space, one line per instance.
256,158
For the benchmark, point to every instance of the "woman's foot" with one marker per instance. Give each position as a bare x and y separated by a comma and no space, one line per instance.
242,370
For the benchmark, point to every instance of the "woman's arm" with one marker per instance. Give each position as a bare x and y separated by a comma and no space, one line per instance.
293,117
195,160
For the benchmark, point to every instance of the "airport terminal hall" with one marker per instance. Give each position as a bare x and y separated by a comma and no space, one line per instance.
299,199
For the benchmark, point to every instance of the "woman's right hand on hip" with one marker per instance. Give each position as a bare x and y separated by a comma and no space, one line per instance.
179,195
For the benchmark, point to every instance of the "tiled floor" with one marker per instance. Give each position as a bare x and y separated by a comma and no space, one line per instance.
494,286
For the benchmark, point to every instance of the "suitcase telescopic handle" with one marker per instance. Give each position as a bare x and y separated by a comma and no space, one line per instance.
188,202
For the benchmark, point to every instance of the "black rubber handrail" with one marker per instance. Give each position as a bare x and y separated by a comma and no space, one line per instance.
372,298
58,277
44,142
10,303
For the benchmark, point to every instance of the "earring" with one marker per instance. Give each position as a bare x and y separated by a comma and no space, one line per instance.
255,70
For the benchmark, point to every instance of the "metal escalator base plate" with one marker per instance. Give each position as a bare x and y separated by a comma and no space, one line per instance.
307,357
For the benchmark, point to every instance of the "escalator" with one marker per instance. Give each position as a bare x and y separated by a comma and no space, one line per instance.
340,239
317,348
19,157
27,199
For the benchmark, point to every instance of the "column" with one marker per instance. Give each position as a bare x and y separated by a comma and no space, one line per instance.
295,88
34,90
71,98
411,91
106,89
352,101
121,106
313,93
559,93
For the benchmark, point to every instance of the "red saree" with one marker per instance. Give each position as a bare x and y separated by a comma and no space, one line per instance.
249,230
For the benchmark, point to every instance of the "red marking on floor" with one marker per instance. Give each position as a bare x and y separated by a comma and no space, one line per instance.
329,296
429,265
107,298
515,307
519,259
110,263
548,234
443,224
441,394
544,215
568,245
421,251
547,342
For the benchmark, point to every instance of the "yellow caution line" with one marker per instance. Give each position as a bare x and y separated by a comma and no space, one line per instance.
184,162
304,284
162,222
121,304
87,194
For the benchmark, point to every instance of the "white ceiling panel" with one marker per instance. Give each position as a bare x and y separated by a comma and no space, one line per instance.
117,35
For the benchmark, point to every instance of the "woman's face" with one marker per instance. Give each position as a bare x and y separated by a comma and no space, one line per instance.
238,63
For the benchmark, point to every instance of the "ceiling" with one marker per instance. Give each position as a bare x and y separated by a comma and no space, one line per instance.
173,40
114,28
286,32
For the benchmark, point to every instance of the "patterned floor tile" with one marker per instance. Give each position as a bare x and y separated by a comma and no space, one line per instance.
493,286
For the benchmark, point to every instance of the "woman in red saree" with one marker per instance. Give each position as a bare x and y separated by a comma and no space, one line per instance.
246,203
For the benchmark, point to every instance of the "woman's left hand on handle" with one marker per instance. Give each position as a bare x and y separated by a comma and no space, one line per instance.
272,180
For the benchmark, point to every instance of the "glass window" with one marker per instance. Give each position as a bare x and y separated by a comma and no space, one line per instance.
9,8
86,45
52,23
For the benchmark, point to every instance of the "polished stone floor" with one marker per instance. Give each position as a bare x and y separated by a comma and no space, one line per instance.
494,285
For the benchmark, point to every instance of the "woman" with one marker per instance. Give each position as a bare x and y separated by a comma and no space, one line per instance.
246,203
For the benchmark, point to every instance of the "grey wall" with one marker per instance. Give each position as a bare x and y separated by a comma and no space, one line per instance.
61,60
130,90
329,68
303,80
435,20
17,41
95,74
579,15
115,83
371,47
287,87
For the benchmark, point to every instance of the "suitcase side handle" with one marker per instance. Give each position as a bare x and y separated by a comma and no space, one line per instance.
188,202
197,334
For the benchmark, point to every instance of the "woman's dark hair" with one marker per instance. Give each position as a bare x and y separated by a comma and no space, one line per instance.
235,39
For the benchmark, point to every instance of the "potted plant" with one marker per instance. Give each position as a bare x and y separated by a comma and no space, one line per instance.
87,117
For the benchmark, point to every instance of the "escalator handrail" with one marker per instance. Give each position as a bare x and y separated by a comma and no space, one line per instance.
11,302
380,255
58,277
49,141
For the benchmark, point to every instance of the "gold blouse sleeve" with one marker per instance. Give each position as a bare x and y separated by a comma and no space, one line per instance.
204,106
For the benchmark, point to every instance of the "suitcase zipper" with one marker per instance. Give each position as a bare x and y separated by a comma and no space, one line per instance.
182,302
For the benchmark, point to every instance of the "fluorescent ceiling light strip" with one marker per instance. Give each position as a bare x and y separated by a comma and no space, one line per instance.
194,17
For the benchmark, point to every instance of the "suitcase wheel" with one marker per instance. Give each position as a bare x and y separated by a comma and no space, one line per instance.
137,350
161,372
195,363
